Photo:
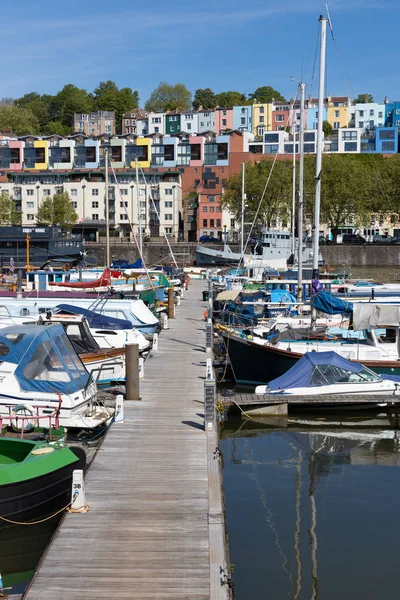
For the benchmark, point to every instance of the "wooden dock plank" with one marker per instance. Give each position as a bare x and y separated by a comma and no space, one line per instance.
148,533
265,399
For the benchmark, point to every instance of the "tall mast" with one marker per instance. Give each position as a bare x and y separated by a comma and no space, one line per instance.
300,208
242,221
107,209
139,211
293,219
317,202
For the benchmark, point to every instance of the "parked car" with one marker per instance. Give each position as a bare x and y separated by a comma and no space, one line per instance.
324,241
353,238
384,239
209,238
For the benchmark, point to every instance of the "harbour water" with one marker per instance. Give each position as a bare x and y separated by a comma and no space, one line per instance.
312,511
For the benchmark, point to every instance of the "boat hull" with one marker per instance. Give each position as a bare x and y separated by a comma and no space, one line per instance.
255,364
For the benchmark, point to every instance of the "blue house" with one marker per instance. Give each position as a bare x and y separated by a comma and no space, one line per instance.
243,118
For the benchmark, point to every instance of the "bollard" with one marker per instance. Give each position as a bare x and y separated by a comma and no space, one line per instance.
165,321
78,503
132,372
209,336
183,292
119,409
171,303
209,404
209,368
141,368
155,342
178,300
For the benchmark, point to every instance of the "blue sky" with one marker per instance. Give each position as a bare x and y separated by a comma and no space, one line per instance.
219,44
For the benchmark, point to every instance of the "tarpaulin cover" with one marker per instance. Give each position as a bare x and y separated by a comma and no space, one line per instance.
94,319
45,357
301,374
330,305
282,296
367,315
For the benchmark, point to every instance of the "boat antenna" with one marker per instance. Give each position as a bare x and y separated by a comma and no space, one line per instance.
329,21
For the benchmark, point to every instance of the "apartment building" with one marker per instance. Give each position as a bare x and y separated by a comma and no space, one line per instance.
96,123
130,121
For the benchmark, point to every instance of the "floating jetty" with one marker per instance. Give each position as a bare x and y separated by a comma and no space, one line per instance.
156,526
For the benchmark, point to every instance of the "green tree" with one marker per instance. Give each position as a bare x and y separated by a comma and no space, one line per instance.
68,101
57,210
20,120
265,94
205,98
57,128
107,96
277,199
363,99
327,128
9,215
232,98
169,97
38,105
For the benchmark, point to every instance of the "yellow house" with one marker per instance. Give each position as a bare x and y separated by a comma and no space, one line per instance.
42,154
144,164
338,111
262,118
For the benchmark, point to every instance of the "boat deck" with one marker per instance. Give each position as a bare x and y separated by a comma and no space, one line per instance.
154,529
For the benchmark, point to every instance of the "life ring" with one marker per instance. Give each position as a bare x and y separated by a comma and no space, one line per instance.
25,410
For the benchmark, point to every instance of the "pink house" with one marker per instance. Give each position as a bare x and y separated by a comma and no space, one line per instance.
197,150
223,119
12,155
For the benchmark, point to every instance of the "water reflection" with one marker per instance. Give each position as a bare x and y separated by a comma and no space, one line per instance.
312,512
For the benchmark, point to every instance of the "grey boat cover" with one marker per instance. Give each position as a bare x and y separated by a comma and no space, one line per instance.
367,315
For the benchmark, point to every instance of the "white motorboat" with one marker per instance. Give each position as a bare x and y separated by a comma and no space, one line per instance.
40,369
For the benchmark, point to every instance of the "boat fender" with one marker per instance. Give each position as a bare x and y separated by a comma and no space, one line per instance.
205,314
22,408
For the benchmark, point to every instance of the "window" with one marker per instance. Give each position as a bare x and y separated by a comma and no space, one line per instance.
74,192
95,204
349,135
168,217
361,113
388,147
95,192
261,119
205,222
350,146
123,204
212,223
336,125
156,130
211,209
279,118
168,204
387,134
124,192
168,191
211,198
30,217
218,222
156,120
29,192
361,124
123,217
371,113
224,122
168,230
261,110
243,120
30,205
205,209
188,126
309,136
46,192
337,113
271,137
74,204
380,115
202,124
224,113
243,111
95,217
173,118
218,209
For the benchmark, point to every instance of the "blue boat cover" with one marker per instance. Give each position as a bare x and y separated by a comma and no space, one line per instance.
314,369
45,357
282,296
95,320
326,303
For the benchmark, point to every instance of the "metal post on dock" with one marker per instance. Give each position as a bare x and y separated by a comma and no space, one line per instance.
171,303
119,416
209,336
19,283
155,342
132,372
209,403
78,504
